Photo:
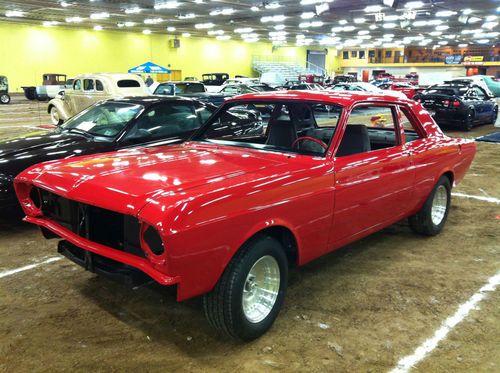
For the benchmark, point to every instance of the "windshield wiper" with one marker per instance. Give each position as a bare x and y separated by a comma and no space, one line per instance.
80,132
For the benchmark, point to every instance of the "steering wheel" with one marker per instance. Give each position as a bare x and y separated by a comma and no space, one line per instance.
309,138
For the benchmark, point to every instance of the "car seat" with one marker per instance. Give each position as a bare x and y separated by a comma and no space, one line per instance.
355,140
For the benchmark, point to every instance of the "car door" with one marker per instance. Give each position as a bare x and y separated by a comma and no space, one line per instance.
373,173
484,103
73,97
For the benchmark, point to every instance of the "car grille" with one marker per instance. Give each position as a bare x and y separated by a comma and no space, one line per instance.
109,228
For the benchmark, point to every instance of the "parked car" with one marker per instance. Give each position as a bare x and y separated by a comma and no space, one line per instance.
306,87
312,78
409,90
108,126
459,104
88,89
242,80
194,90
490,85
274,79
363,87
227,212
4,90
52,84
344,79
214,81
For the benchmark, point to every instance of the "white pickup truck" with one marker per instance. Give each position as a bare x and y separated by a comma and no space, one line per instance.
88,89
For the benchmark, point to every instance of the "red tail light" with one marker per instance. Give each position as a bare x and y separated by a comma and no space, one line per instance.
446,102
456,103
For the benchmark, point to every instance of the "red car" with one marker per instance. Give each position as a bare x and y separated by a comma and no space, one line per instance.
225,214
408,89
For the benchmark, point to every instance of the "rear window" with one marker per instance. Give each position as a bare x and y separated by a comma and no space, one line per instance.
189,88
128,83
445,91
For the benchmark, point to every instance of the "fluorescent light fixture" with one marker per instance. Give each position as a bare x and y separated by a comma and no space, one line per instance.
392,17
445,13
100,15
343,22
489,25
153,21
254,8
483,41
373,8
373,27
463,45
146,32
314,2
171,28
467,11
65,4
279,27
276,18
389,25
204,25
133,10
49,23
307,15
473,20
14,13
274,5
435,33
215,32
277,33
243,30
74,19
359,20
97,28
187,16
321,8
168,5
414,4
186,34
363,32
442,27
222,12
129,24
223,37
252,35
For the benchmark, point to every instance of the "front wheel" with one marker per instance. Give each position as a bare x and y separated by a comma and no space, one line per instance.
431,218
248,297
55,117
4,98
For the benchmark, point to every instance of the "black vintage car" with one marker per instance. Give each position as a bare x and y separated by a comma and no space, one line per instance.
4,90
459,104
195,90
108,126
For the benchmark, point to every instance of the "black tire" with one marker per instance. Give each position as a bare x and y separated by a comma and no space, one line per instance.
422,222
4,98
468,122
494,116
224,307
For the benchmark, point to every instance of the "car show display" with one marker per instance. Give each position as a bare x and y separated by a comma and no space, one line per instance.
211,186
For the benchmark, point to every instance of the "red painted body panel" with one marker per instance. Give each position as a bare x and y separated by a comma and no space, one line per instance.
207,200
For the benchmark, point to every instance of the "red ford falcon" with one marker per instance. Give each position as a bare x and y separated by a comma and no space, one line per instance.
226,213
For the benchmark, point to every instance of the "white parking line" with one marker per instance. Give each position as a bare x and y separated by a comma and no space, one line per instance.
479,198
11,272
405,364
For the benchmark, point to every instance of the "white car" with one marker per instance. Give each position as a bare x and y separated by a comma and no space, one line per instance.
365,87
476,79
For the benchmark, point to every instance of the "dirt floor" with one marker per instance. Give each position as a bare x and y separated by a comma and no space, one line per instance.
360,309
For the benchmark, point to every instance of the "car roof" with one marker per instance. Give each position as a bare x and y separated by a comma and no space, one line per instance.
342,98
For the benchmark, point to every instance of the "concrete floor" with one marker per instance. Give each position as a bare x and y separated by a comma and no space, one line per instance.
360,309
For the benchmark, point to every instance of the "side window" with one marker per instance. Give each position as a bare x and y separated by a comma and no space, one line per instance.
204,113
77,85
88,85
368,128
164,121
99,86
409,127
480,93
164,90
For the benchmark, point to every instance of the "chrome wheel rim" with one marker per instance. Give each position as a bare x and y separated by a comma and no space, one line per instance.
261,289
5,99
439,205
54,115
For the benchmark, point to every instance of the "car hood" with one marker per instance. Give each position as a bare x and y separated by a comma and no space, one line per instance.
21,152
127,180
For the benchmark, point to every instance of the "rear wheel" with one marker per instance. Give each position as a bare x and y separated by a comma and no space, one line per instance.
431,219
4,98
54,116
469,120
248,297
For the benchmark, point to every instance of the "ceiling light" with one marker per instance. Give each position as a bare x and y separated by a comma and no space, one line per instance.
491,18
473,19
359,20
442,27
153,21
462,45
168,5
146,32
204,25
373,8
489,25
443,42
171,28
343,22
186,34
100,15
467,11
187,16
277,33
414,4
65,4
388,36
97,28
313,2
363,32
435,33
274,5
392,17
348,28
252,35
389,25
223,37
14,13
254,8
243,30
133,10
279,27
373,27
49,23
307,15
129,24
276,18
120,25
445,13
483,41
215,32
223,12
419,23
74,19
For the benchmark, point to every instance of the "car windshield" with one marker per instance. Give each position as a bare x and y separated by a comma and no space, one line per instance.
107,119
182,88
295,127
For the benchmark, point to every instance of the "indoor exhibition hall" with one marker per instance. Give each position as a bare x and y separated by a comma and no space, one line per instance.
250,186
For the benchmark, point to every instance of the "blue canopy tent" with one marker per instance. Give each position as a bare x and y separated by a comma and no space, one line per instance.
148,68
